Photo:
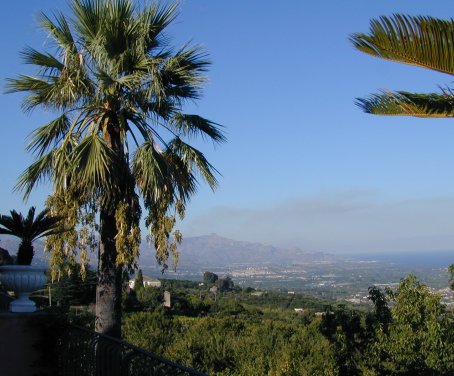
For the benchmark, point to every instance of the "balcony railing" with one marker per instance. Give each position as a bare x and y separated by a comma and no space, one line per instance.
83,352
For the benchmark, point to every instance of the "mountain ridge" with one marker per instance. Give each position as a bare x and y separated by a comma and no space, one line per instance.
207,250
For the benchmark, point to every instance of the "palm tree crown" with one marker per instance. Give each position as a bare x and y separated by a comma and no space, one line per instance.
28,229
421,41
119,90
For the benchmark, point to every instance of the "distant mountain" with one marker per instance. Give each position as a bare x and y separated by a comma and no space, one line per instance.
11,244
205,251
215,250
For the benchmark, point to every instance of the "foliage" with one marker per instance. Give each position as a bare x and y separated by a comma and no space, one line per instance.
344,329
28,229
5,258
153,330
150,297
419,338
408,332
225,284
209,277
451,272
73,290
138,282
422,41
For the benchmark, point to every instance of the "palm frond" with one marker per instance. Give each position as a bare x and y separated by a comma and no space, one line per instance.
408,104
59,30
195,125
41,92
46,61
151,171
194,160
186,69
89,15
155,19
422,41
39,170
42,138
94,165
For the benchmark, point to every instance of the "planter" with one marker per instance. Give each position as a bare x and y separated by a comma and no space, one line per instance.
23,280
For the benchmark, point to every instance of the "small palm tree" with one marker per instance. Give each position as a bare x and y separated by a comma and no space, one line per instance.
28,229
425,42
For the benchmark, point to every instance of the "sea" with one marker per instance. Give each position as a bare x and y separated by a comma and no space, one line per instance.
429,259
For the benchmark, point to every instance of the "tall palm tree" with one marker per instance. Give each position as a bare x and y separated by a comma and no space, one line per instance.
119,91
28,229
426,42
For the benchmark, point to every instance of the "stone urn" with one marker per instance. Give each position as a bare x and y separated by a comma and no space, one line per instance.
23,280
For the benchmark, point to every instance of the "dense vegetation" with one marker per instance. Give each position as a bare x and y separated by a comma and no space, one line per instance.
406,332
248,332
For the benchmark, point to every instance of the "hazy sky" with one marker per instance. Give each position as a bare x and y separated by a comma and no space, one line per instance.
303,165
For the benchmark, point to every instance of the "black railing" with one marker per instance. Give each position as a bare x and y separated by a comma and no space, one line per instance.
83,352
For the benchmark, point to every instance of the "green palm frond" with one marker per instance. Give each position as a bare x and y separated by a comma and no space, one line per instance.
89,15
48,135
408,104
194,161
186,67
40,92
155,19
184,182
151,171
195,125
60,31
48,62
95,165
39,170
422,41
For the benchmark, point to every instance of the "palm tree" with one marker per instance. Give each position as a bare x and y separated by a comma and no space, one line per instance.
119,91
28,229
426,42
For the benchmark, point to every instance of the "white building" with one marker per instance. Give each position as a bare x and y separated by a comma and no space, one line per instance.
147,282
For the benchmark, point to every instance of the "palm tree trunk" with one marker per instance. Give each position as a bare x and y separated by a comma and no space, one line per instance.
25,253
108,289
109,286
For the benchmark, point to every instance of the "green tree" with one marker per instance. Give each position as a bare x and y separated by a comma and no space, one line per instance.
344,330
451,278
209,277
150,298
28,229
138,282
119,90
225,284
72,289
419,338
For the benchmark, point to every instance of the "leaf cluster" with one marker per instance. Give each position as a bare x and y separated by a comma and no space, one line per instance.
425,42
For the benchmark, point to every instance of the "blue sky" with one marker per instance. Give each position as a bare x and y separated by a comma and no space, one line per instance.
303,166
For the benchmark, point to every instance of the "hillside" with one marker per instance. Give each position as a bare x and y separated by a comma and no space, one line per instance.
215,250
208,250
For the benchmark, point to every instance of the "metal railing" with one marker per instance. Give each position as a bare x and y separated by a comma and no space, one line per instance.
83,352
